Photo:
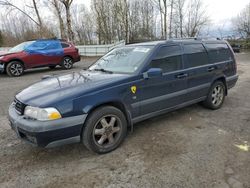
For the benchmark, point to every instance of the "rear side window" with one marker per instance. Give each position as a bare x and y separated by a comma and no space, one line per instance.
168,59
64,45
218,52
196,55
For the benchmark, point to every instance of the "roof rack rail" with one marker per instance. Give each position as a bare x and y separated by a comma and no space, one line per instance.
53,38
208,38
194,38
185,38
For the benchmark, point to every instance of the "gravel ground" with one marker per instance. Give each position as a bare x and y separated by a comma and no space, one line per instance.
190,148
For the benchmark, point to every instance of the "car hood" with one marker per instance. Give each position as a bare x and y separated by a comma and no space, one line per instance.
57,88
2,53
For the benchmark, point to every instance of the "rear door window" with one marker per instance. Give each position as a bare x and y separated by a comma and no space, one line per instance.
196,55
218,52
168,58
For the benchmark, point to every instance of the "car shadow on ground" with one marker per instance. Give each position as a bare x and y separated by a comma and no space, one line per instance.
78,150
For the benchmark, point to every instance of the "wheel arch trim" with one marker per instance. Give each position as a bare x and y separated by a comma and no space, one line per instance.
117,104
15,59
223,79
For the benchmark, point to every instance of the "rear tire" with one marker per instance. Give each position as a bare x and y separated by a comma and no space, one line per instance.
216,96
67,63
15,69
104,130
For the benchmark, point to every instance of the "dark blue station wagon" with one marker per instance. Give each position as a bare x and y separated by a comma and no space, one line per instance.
127,85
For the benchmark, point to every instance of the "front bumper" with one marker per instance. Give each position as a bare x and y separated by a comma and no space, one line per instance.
47,133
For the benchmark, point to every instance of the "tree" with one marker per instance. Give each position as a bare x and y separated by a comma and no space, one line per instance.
141,20
108,20
160,8
67,5
121,9
104,19
196,18
165,13
37,14
83,24
12,5
34,6
172,2
1,38
220,30
58,12
164,9
126,19
180,14
242,22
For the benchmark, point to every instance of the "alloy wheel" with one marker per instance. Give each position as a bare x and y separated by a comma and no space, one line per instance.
107,130
67,62
217,95
16,69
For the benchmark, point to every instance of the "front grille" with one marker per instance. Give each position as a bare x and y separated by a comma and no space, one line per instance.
19,106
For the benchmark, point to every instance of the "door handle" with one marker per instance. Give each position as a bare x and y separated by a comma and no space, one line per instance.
210,69
183,75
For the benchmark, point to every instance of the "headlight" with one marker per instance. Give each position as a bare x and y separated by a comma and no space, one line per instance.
42,114
1,57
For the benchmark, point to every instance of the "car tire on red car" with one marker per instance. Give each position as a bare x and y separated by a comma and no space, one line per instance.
67,63
15,68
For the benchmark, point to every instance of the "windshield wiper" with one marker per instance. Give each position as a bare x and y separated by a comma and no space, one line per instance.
103,70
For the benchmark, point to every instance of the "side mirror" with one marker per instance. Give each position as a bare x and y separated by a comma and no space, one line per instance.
152,72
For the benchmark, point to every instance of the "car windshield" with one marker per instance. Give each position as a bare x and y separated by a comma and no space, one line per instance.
122,60
20,47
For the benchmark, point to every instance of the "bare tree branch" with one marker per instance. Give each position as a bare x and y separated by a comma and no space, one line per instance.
67,4
8,3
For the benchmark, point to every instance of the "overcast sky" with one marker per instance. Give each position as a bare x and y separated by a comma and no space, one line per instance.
221,10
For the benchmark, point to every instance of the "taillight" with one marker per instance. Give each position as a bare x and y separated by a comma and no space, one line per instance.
234,62
234,57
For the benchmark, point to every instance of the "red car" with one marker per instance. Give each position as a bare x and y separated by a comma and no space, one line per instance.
38,53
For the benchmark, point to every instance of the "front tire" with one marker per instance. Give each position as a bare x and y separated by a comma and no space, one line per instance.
105,129
67,63
15,69
216,96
